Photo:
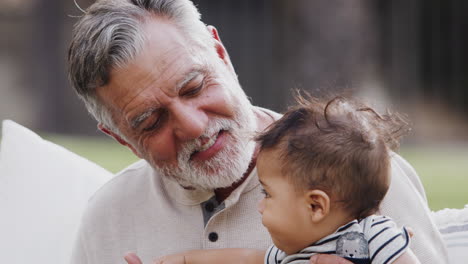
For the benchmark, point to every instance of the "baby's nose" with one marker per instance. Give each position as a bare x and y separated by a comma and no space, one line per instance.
261,206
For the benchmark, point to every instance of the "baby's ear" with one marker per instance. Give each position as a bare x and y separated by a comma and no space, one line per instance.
319,204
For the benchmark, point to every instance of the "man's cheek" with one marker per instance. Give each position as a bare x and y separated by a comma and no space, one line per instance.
159,151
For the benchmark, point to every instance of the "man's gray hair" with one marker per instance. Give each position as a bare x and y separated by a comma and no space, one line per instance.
110,34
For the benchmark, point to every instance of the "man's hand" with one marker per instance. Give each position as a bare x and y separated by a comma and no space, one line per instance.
327,259
132,258
171,259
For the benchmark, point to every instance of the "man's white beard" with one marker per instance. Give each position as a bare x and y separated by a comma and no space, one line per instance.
227,166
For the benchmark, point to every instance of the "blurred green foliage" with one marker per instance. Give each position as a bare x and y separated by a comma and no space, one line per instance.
103,151
443,171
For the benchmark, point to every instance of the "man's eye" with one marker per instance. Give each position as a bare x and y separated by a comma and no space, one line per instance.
193,91
156,123
153,125
265,193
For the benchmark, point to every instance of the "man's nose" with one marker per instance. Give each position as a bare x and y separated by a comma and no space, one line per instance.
189,122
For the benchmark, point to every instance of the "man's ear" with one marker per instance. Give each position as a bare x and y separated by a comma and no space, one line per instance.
319,204
119,139
220,49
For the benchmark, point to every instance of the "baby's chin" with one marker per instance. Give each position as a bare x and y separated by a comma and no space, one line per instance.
286,249
292,247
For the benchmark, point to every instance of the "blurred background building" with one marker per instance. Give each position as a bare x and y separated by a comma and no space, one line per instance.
407,55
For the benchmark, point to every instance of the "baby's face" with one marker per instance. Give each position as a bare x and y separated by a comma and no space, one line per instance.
285,212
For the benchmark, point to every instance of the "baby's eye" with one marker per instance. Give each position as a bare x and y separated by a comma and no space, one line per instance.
265,193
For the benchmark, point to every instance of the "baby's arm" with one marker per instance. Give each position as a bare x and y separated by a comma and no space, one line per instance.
407,258
207,256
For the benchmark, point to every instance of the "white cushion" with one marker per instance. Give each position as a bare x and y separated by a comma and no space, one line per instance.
44,189
453,225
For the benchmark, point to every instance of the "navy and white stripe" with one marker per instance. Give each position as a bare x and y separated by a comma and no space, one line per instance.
385,240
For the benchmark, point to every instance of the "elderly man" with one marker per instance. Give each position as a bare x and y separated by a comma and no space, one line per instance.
161,83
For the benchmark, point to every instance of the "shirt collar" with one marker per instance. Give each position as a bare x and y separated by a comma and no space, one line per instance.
196,196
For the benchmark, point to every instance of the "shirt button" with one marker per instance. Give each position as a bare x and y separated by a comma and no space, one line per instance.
213,237
209,207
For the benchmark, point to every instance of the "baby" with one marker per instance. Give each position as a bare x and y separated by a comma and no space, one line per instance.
325,168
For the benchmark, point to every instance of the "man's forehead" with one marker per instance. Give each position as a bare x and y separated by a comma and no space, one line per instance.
174,68
168,55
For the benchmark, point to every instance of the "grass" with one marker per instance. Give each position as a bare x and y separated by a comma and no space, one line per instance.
102,151
444,173
443,170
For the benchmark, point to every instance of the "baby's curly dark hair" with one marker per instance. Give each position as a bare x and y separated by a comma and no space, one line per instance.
339,145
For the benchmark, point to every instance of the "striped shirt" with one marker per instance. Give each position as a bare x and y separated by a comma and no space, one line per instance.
374,239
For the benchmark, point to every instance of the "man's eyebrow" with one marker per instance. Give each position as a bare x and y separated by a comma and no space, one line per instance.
262,183
189,76
138,119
